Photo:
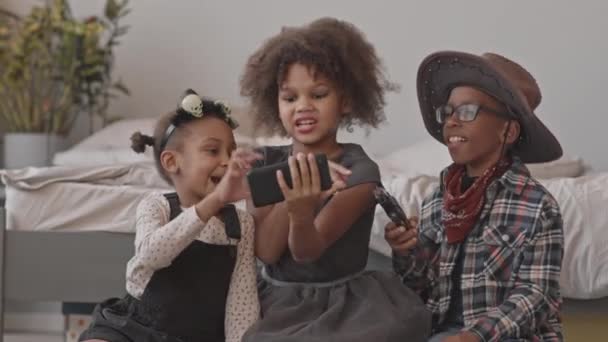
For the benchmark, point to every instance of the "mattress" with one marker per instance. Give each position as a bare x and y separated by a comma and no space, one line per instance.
78,198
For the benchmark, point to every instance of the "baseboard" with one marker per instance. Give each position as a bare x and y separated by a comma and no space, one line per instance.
44,322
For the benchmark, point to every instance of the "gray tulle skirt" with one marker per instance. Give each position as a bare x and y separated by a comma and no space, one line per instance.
370,306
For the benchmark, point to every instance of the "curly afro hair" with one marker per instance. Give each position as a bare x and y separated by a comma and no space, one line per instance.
330,47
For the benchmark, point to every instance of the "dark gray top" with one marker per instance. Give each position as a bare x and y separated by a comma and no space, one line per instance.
348,255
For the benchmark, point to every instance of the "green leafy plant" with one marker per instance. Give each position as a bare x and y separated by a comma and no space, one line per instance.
54,67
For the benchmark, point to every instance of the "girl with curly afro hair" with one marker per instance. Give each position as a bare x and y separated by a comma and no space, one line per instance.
306,83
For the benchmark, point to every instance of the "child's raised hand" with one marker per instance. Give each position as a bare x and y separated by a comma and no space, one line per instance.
233,186
400,239
305,195
338,172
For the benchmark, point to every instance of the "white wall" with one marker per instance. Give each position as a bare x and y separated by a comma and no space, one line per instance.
204,44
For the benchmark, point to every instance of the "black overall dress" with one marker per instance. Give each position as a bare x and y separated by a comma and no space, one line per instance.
183,302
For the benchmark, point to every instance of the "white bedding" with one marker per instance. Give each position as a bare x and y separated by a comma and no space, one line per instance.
429,157
78,198
112,146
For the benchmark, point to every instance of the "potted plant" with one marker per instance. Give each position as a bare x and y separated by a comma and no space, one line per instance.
53,68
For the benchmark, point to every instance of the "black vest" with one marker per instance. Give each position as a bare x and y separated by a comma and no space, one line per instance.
188,298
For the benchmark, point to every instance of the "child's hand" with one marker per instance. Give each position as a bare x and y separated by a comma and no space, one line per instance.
233,186
305,195
337,172
401,239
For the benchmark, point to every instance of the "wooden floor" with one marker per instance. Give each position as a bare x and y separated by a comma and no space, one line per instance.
33,338
585,328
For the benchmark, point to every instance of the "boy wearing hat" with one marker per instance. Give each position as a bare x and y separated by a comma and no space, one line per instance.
487,254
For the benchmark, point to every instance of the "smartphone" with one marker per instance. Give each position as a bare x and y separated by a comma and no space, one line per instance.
265,189
391,207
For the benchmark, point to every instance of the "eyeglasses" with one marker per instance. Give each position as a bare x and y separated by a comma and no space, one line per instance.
464,113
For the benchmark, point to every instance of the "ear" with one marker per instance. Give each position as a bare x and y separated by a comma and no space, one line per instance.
169,161
513,132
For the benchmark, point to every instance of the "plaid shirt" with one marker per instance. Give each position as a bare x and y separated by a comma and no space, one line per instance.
511,265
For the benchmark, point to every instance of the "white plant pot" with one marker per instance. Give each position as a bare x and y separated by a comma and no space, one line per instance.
31,149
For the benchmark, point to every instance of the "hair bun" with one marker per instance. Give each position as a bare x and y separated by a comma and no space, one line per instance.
139,142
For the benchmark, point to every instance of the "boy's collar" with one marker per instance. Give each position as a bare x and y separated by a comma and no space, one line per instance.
514,180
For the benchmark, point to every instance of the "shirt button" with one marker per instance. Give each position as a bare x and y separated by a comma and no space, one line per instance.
505,238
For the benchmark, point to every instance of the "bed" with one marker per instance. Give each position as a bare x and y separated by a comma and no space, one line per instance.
56,247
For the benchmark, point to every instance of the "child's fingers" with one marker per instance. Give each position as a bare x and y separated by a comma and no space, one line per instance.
405,246
244,167
296,183
400,234
390,226
394,234
238,162
282,184
238,166
339,168
315,178
246,155
243,151
252,157
339,185
413,221
338,172
304,172
335,187
406,236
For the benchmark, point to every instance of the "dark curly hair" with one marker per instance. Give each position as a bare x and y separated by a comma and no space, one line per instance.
330,47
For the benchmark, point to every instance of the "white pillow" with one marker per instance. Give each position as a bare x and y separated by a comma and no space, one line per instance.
86,156
118,134
429,157
272,141
112,145
563,167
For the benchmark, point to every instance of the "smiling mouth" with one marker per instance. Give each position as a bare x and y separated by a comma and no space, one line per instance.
305,123
456,139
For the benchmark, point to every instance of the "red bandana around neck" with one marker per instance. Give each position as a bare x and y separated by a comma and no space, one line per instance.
462,209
